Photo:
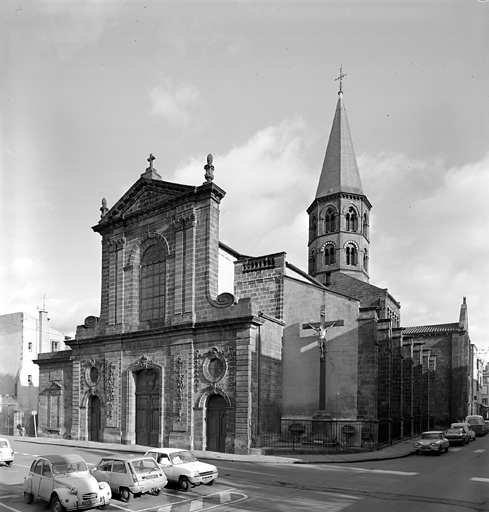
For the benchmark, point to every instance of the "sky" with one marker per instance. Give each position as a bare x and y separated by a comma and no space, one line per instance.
88,89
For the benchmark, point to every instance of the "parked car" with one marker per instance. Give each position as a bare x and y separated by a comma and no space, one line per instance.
65,483
182,467
457,436
6,452
432,441
466,427
128,475
477,423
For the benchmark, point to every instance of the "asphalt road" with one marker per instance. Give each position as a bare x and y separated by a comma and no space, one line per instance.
454,482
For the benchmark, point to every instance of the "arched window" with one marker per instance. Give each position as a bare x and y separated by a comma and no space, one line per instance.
351,220
365,225
365,260
313,227
152,284
329,255
330,221
351,255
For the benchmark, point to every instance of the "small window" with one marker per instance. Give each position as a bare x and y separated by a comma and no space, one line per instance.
54,346
119,467
29,346
29,379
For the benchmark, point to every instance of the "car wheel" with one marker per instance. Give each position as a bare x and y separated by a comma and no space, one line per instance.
446,449
9,463
439,451
210,483
184,484
28,497
124,494
156,492
56,505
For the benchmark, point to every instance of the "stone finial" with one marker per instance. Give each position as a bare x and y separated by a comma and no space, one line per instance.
209,169
103,208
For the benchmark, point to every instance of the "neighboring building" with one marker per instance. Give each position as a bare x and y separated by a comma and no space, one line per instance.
447,349
199,346
485,391
22,338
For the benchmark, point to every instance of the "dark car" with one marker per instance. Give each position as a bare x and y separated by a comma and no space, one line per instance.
457,436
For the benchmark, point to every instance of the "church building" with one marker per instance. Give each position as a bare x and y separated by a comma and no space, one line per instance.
177,357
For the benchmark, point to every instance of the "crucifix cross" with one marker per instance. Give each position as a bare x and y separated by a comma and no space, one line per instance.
321,329
150,160
340,78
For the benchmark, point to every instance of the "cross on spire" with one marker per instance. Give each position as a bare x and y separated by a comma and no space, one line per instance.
340,78
150,160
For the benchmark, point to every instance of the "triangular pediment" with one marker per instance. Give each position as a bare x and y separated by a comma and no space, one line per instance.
53,388
143,195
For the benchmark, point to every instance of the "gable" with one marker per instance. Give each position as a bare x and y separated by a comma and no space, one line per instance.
144,195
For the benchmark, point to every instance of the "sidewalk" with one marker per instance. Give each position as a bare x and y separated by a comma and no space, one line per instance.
396,451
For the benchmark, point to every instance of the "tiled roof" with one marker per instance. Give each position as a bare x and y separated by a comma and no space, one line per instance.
430,329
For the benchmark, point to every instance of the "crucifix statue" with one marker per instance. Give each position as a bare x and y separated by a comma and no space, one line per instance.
321,329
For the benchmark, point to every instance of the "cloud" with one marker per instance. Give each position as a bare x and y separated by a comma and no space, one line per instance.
174,105
429,240
268,185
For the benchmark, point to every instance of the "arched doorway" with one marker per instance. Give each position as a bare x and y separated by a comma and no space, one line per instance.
147,407
94,419
216,424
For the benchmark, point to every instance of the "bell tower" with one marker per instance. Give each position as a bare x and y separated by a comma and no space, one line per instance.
339,216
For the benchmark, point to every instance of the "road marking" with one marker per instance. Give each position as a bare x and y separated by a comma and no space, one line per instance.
363,470
479,451
476,479
9,508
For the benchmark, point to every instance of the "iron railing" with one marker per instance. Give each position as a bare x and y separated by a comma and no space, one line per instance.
306,435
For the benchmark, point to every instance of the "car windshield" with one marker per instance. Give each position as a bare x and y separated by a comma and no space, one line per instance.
3,444
182,457
457,431
66,468
430,436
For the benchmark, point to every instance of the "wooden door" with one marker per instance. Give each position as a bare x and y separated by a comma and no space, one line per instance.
216,424
147,408
94,420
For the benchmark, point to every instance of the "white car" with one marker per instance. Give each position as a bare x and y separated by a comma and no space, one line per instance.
6,452
64,482
182,467
466,427
432,441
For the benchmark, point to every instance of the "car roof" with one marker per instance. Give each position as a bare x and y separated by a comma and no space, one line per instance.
4,439
123,456
433,432
56,458
167,450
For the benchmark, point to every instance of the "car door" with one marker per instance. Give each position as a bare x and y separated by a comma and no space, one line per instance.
164,462
46,484
103,470
118,476
35,476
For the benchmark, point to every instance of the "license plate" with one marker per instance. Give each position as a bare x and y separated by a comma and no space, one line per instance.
89,502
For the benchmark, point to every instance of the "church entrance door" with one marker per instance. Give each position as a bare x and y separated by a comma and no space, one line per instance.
147,408
216,424
94,419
